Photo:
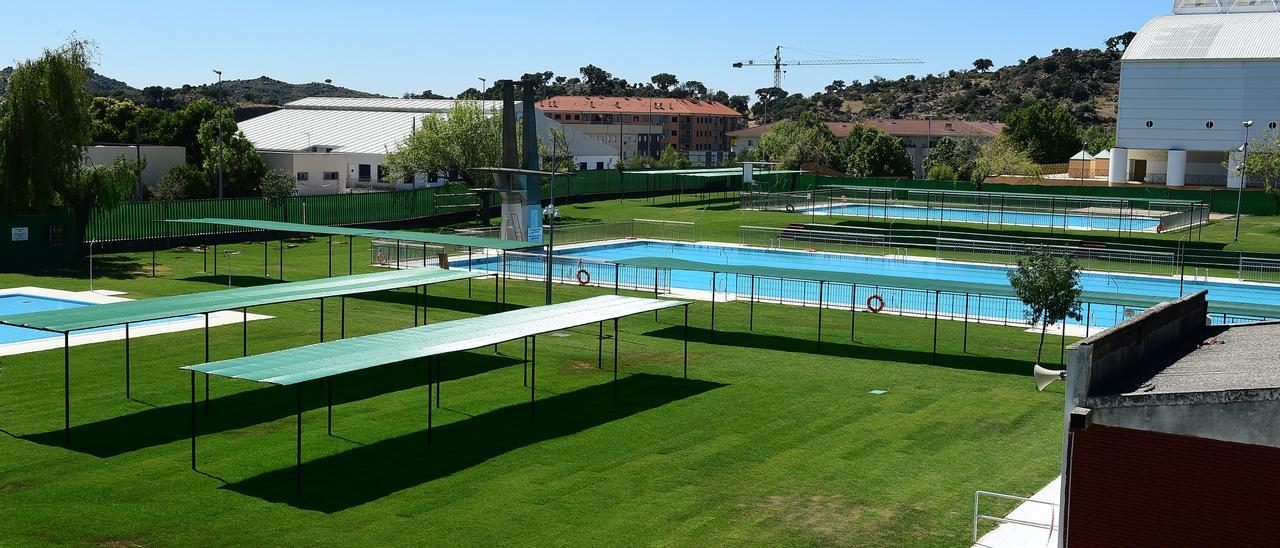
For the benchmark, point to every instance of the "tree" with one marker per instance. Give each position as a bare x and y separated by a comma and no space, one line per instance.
1120,42
664,81
180,182
878,154
960,155
941,172
237,159
98,188
1049,134
1050,287
1264,164
557,156
451,145
982,65
740,103
277,187
1098,138
1000,156
46,123
672,158
803,142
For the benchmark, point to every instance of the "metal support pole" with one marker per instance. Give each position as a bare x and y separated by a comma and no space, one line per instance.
617,278
615,357
321,319
439,378
431,380
504,279
342,333
686,341
1088,317
153,263
600,346
526,362
853,310
244,331
329,403
424,304
533,376
126,361
655,290
193,420
751,307
713,306
350,254
936,298
966,322
821,286
298,464
330,256
264,260
204,256
206,360
1062,353
469,270
282,260
66,386
415,306
215,259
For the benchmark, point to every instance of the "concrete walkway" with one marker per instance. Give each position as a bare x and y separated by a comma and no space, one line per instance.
1016,535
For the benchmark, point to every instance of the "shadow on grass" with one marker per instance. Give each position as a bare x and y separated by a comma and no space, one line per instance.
713,204
368,473
237,280
162,425
481,303
839,346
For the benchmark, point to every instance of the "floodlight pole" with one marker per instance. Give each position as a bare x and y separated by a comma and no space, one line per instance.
219,122
1244,174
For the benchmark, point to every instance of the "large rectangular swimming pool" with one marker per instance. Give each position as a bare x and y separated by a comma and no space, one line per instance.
567,264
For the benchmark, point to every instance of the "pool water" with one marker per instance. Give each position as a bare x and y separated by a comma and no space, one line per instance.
897,301
982,216
21,303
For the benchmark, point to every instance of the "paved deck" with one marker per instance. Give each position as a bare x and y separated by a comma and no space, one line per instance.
1013,535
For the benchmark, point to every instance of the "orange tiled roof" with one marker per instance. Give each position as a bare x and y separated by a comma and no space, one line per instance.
634,105
900,128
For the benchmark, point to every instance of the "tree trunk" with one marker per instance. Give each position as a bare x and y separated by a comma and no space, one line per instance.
1043,326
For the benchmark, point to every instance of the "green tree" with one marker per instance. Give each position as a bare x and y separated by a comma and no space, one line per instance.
451,145
98,188
1048,133
941,172
46,124
1264,164
277,187
800,143
1098,138
673,159
1050,287
556,156
982,65
960,155
1000,156
664,81
237,159
181,182
878,154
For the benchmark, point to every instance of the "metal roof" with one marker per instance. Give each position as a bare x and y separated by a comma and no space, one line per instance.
102,315
386,104
318,361
1208,36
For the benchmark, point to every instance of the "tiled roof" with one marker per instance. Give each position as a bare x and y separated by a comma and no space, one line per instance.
900,128
634,105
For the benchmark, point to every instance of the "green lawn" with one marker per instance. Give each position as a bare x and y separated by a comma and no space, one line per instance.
770,441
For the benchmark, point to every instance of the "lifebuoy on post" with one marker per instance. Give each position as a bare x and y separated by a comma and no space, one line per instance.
791,208
584,277
875,303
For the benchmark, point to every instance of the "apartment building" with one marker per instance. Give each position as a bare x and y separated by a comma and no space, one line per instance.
644,126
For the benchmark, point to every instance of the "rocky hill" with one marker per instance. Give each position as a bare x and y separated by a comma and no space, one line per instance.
257,91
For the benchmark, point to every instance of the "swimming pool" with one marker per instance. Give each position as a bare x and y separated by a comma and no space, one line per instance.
995,309
19,302
1076,221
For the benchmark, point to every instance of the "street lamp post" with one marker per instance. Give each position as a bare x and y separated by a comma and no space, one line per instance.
484,85
218,120
1244,174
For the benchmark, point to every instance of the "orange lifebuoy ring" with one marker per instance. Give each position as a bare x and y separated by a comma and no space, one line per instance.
791,208
879,303
584,277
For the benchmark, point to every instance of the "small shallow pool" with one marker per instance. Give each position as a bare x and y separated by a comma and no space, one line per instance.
24,300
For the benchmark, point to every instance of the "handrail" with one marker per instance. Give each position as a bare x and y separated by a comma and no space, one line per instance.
977,498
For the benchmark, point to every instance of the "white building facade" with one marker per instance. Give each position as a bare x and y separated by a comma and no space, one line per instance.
333,145
1188,82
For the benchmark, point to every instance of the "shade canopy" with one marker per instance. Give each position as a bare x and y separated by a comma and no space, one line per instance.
102,315
404,235
318,361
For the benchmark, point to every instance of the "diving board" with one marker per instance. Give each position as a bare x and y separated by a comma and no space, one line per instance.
125,313
324,361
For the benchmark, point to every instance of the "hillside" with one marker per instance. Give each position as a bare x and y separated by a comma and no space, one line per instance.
260,90
1086,81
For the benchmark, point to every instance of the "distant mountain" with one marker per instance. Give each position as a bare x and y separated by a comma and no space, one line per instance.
258,91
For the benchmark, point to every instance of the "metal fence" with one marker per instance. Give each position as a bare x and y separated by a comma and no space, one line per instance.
575,233
883,243
990,209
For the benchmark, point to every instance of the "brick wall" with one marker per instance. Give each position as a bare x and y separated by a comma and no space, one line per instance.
1139,488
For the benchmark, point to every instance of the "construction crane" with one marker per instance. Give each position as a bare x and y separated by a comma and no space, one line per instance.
777,63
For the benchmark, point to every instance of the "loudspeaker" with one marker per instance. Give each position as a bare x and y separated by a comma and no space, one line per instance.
1045,376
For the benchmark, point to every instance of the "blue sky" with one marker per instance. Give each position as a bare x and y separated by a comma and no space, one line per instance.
394,47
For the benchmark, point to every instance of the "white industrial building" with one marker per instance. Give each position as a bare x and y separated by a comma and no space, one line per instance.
1188,81
335,144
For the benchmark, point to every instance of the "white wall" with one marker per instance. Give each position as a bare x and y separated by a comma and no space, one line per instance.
160,159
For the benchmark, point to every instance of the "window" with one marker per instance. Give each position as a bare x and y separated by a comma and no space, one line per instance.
1208,125
302,175
673,133
331,176
577,116
1272,125
675,119
1149,124
582,166
57,235
557,116
599,165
